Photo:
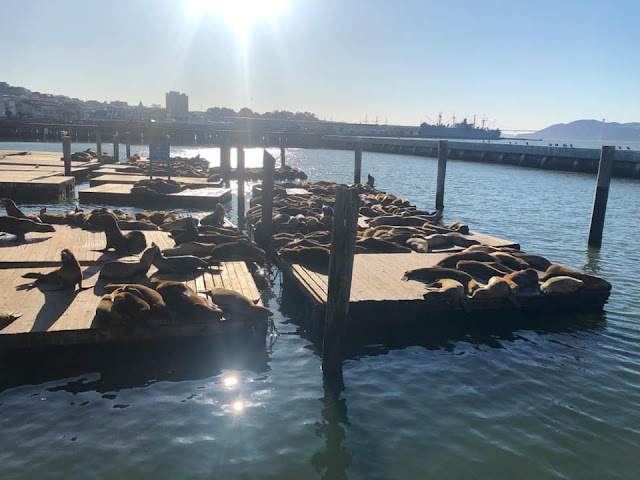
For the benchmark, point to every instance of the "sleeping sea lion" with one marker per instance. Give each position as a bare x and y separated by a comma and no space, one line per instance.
122,307
514,263
418,244
234,305
452,260
179,264
561,285
238,250
521,279
432,274
496,288
190,248
535,261
446,288
149,295
311,256
479,270
182,299
57,218
179,224
133,242
67,276
591,282
118,270
380,245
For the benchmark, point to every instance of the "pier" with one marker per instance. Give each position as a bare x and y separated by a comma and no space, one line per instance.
586,160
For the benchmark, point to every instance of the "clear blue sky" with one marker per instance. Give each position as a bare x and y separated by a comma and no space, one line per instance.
522,64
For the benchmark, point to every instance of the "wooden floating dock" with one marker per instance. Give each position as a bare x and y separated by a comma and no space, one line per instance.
130,179
377,287
39,175
120,194
64,317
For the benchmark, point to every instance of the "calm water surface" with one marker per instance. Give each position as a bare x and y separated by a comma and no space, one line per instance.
508,397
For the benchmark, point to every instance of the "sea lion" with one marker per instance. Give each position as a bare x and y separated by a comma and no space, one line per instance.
370,180
308,256
452,260
561,285
67,276
13,210
397,220
21,226
123,307
479,270
6,318
514,263
189,234
445,288
179,224
215,218
182,299
535,261
149,295
459,227
383,246
190,248
57,218
432,274
418,244
133,242
521,279
591,282
461,240
234,305
179,264
118,270
239,250
496,288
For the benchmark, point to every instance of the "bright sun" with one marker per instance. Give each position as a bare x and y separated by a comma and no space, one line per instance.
239,13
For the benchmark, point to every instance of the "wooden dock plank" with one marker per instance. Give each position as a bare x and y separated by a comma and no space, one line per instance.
120,194
130,179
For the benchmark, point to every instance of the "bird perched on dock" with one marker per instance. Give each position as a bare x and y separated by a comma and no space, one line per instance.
370,180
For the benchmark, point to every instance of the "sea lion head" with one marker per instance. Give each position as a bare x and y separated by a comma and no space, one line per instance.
67,257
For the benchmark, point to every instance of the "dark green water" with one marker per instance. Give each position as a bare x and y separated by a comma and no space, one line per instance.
494,397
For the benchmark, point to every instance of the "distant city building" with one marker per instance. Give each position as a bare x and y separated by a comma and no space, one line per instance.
177,104
1,106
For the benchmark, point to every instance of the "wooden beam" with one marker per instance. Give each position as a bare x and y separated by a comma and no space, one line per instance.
443,152
601,196
358,163
240,176
66,151
268,178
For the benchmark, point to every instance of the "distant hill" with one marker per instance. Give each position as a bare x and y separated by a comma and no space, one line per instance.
589,130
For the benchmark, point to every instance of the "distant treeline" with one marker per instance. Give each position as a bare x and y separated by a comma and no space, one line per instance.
223,112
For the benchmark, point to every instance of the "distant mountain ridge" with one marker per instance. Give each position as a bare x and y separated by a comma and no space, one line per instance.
589,130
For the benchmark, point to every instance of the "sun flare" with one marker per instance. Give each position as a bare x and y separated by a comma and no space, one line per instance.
239,13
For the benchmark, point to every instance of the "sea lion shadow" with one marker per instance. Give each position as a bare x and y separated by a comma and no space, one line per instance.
178,277
12,242
56,302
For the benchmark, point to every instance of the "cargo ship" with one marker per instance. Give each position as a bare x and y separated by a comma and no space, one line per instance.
463,130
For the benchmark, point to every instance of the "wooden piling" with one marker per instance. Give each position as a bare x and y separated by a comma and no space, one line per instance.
225,159
127,139
343,241
283,151
443,152
268,178
66,152
601,196
99,145
357,171
116,147
240,176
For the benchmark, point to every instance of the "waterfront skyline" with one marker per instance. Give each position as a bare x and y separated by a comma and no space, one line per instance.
523,66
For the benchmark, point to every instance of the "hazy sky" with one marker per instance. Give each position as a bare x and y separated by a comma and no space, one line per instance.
522,64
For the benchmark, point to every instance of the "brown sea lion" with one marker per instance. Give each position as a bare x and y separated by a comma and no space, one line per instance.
179,224
149,295
383,246
418,244
215,218
432,274
123,307
535,261
446,288
496,288
190,248
561,285
119,270
21,226
182,299
52,218
510,261
479,270
67,276
521,279
239,250
234,305
14,211
591,282
179,264
133,242
452,260
311,256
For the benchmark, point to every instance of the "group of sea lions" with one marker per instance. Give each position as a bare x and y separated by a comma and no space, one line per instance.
19,224
481,272
180,167
156,186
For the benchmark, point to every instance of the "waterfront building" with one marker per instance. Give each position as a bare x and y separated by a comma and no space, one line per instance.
177,104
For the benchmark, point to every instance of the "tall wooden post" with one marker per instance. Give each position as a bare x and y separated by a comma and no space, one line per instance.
116,147
283,151
99,145
601,196
268,178
240,176
225,159
443,152
343,244
358,163
127,139
66,152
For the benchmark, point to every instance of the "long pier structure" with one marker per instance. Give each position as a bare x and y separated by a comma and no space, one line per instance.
570,159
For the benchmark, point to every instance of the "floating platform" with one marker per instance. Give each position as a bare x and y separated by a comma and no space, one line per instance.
120,194
64,317
46,160
377,289
130,179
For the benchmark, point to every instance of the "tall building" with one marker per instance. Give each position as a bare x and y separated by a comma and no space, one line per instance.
177,104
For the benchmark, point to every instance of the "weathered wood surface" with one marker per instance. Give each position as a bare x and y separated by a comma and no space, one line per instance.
44,248
120,194
66,317
130,179
297,191
43,159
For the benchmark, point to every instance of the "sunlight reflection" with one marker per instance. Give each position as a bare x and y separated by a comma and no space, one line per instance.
230,381
237,406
